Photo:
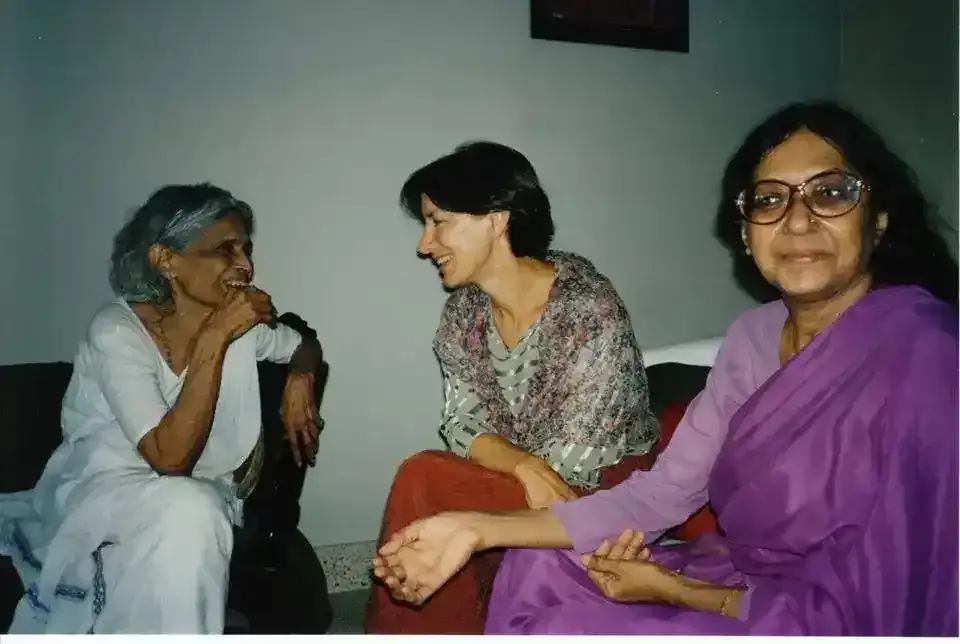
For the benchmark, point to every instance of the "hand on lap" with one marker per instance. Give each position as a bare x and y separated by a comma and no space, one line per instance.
417,561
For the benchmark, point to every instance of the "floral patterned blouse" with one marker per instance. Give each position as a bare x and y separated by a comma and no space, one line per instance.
573,391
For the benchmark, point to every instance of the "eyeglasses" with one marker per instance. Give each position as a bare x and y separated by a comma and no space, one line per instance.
829,194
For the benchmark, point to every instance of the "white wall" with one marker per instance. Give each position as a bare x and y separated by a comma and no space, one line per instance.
15,288
899,68
315,112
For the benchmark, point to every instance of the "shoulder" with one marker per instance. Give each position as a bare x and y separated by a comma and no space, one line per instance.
750,348
925,394
586,294
113,326
759,321
927,335
461,308
934,319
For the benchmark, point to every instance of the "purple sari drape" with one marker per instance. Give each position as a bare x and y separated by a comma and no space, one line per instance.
837,490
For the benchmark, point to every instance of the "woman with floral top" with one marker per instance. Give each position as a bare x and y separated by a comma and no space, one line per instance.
544,385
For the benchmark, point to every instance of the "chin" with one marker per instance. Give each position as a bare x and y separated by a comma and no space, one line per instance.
212,300
452,281
803,281
810,290
452,284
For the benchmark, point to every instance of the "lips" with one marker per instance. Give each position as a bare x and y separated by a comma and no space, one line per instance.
804,258
443,263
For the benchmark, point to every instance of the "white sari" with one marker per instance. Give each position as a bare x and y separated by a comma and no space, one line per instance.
105,544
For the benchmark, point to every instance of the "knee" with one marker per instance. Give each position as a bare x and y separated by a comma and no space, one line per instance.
415,470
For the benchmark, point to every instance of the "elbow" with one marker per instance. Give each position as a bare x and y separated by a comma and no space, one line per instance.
171,469
308,357
163,462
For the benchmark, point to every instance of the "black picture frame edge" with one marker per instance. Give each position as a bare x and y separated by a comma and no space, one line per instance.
676,41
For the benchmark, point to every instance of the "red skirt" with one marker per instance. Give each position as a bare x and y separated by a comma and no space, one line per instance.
433,482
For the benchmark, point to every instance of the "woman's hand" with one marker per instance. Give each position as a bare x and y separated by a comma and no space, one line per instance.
243,309
623,572
541,484
633,581
627,547
299,413
421,558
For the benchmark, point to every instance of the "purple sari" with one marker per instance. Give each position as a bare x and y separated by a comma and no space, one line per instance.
836,486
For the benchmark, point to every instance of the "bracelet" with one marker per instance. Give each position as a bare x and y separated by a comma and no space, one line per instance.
724,605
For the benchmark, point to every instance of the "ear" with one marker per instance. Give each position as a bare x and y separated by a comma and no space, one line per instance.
744,238
881,225
500,221
161,259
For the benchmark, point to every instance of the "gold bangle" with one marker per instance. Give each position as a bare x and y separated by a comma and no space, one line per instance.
724,605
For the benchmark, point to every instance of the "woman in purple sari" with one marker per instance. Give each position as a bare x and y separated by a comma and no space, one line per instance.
825,439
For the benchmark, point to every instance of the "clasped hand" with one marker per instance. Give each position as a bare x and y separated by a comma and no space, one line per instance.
622,571
417,561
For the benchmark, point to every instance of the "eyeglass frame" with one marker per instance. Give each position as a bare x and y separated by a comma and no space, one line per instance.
860,183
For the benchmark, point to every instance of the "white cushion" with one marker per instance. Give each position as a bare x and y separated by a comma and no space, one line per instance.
698,352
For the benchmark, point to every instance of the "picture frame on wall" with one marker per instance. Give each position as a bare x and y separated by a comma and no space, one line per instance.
661,25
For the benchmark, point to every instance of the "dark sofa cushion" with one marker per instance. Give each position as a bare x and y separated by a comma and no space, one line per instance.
673,383
30,399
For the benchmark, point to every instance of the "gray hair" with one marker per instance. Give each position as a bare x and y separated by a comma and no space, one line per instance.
173,216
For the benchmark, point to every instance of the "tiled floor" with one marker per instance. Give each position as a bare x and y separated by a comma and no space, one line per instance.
348,610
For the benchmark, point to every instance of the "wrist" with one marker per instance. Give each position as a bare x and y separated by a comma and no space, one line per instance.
685,592
483,528
210,344
678,589
518,529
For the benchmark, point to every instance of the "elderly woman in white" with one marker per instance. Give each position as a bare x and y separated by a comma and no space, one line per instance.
129,528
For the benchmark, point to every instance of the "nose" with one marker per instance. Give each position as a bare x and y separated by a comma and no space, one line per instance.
244,263
799,218
425,245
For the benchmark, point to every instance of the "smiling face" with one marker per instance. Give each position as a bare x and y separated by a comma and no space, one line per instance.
460,244
216,262
810,258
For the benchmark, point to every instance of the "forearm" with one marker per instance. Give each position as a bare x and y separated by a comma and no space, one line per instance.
705,597
308,357
497,453
174,445
520,529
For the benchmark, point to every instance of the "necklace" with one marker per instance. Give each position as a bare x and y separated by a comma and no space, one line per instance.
162,344
791,347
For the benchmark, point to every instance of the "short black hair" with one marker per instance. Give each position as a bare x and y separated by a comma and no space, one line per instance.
911,250
482,177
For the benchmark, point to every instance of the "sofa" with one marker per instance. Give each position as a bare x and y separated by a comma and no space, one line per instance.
277,585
